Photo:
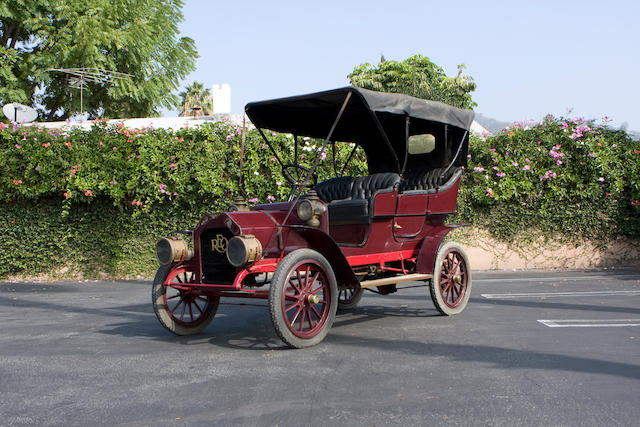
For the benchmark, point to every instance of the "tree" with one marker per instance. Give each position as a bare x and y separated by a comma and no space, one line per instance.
416,76
196,96
137,37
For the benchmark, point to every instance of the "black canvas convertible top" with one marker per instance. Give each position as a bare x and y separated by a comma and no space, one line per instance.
374,120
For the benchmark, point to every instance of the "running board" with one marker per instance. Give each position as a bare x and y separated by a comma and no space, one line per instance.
395,279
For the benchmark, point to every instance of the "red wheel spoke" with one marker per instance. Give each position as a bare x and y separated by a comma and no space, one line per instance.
316,312
177,305
184,306
306,278
293,285
297,304
197,306
313,280
304,312
295,316
309,321
299,281
201,298
175,296
190,312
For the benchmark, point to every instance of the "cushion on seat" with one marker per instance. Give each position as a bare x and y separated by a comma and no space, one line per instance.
350,200
429,180
335,188
365,187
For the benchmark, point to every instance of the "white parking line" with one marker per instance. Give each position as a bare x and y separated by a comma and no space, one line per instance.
560,278
560,294
596,323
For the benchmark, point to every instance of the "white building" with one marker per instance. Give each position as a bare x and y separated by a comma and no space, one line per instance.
221,95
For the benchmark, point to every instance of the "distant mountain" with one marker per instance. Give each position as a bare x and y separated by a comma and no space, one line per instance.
492,125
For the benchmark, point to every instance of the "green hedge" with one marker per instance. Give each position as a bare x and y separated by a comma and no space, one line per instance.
96,201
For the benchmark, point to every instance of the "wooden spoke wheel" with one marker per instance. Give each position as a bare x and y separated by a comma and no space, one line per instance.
179,309
451,284
303,298
348,298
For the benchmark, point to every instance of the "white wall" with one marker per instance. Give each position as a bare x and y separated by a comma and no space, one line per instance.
221,95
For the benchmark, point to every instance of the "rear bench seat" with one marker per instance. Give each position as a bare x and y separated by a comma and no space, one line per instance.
350,200
430,181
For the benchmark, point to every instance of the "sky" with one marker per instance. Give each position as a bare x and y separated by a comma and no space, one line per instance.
528,59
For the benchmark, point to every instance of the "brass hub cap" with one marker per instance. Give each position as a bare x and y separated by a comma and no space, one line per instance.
313,299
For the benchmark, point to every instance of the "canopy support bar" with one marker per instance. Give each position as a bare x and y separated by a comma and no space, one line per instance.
315,163
456,156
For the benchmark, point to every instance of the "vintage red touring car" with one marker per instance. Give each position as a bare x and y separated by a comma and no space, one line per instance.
317,252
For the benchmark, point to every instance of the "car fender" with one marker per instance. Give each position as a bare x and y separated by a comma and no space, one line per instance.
320,241
425,261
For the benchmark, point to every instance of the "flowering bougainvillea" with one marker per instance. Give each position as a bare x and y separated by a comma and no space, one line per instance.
578,177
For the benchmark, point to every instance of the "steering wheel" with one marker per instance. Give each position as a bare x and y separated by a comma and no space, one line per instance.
296,174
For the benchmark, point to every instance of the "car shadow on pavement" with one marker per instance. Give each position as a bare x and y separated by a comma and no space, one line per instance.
491,356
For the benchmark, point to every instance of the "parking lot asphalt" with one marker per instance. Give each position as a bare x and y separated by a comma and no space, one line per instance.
532,348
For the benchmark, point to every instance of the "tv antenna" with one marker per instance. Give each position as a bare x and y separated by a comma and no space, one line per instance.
19,113
81,76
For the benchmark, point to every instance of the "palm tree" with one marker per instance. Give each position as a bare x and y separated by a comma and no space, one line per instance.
196,101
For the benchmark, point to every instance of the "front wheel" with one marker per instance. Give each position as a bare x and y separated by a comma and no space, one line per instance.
179,309
451,284
303,298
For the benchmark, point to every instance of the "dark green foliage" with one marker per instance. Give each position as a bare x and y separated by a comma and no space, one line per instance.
560,178
138,37
416,76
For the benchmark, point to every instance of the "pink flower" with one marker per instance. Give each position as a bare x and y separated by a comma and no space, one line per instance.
66,195
113,182
172,165
601,179
254,200
515,163
17,181
68,143
478,169
101,143
136,203
489,192
273,159
270,198
323,156
73,171
115,148
18,147
527,160
492,149
495,168
558,162
501,174
526,168
278,183
46,144
88,193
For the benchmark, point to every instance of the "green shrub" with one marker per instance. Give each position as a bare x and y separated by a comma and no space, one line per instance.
564,178
96,201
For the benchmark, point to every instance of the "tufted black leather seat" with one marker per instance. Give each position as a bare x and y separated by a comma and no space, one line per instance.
430,181
335,188
350,200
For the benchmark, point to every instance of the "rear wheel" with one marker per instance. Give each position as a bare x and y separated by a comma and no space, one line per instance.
348,298
179,309
451,284
303,298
